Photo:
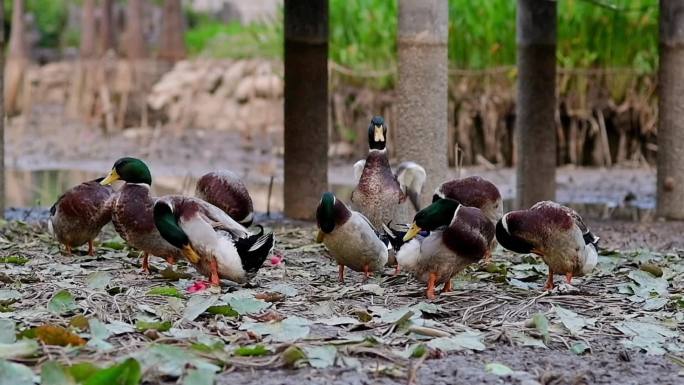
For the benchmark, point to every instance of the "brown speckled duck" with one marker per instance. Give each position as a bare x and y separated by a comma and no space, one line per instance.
458,236
473,191
379,192
225,190
212,241
80,213
132,211
554,232
349,237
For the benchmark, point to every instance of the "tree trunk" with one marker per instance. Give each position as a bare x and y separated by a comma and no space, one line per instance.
17,59
306,106
88,29
2,112
422,110
535,131
106,38
135,41
671,106
172,44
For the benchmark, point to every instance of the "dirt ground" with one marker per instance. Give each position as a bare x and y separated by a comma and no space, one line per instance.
495,316
623,324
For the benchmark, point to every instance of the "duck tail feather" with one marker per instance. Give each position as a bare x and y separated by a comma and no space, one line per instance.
254,249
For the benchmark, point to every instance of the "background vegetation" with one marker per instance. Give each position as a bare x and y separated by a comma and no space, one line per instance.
591,33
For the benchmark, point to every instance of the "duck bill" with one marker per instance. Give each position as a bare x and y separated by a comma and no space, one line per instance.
379,135
111,178
190,254
319,236
413,231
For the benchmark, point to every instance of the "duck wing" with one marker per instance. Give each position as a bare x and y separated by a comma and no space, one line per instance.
358,170
411,177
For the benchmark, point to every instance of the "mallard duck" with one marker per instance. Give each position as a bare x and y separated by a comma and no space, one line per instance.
379,192
349,237
212,241
225,190
458,236
79,214
473,191
554,232
132,211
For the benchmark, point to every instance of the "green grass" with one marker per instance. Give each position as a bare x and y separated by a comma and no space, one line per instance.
591,33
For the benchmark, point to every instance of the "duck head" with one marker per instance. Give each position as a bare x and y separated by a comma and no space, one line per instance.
331,212
377,132
438,214
130,170
166,222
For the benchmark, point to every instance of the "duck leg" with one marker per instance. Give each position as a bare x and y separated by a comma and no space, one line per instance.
214,272
68,249
430,293
366,273
447,286
568,278
397,269
488,256
549,281
91,250
146,263
341,274
171,260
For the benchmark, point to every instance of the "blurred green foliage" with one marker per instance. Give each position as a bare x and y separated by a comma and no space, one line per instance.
591,33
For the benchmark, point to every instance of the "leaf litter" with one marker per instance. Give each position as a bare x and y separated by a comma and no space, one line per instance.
129,319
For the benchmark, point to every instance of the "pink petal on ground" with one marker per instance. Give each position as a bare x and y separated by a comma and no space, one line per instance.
199,286
276,259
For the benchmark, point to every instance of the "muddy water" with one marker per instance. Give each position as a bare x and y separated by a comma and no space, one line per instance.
40,188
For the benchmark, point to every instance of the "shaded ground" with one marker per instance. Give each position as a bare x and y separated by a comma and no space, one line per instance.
626,324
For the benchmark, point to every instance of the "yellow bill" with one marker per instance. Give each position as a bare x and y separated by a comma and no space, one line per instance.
319,236
413,231
111,177
379,135
190,254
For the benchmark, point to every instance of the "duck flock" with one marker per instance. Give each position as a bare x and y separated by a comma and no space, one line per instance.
214,231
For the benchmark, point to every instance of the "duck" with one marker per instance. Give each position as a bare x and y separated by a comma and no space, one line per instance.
78,215
132,211
473,191
218,246
457,237
379,192
554,232
350,237
225,190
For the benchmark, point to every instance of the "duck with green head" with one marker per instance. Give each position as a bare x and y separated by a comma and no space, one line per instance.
458,236
379,191
79,214
349,236
211,240
554,232
132,211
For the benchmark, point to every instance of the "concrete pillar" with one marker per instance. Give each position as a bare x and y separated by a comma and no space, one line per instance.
422,118
671,111
306,106
535,127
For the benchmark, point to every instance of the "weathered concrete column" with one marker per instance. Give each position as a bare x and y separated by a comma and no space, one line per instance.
422,117
306,106
671,111
535,131
2,111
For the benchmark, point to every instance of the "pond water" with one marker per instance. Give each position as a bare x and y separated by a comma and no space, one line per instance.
40,188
